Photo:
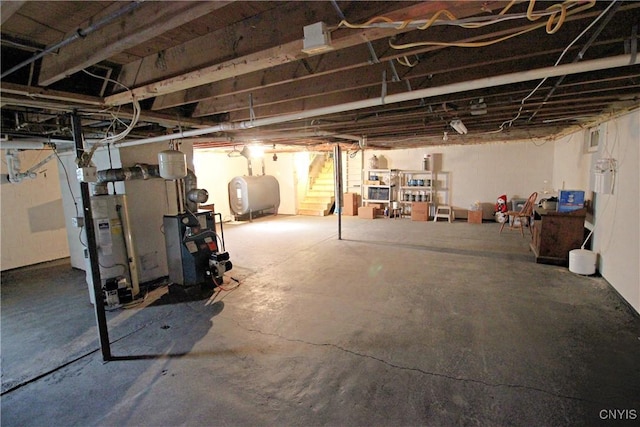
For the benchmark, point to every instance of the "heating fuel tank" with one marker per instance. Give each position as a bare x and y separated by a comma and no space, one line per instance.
249,194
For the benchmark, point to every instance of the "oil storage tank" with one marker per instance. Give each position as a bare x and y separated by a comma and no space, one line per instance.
251,196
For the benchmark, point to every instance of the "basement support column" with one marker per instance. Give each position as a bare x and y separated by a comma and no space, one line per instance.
337,172
92,247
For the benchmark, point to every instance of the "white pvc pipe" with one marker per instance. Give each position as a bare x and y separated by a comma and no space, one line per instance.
32,143
272,136
22,145
486,82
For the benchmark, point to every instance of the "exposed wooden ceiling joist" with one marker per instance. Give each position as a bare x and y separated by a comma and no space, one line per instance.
8,8
151,19
195,64
267,58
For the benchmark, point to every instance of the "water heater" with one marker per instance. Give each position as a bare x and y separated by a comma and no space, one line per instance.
110,221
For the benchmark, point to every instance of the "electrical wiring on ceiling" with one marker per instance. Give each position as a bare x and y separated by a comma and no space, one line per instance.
556,13
510,122
87,156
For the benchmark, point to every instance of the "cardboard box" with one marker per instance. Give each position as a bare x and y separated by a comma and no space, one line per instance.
351,203
474,217
367,212
419,216
419,211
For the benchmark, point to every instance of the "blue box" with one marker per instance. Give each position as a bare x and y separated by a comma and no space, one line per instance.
570,200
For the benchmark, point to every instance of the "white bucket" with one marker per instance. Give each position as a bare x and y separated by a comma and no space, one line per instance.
582,261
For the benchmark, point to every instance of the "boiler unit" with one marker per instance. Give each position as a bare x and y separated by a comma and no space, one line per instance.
250,196
195,252
115,251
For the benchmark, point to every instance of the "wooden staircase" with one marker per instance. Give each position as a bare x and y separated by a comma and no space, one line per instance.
320,196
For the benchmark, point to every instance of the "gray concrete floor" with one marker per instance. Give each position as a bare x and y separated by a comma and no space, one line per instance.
400,323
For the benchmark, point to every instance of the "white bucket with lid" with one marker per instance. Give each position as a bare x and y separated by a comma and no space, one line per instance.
582,261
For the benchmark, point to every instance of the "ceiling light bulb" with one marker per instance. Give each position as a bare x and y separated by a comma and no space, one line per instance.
256,151
458,126
445,137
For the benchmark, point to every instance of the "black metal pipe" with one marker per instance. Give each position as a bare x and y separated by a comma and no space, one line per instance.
92,247
337,169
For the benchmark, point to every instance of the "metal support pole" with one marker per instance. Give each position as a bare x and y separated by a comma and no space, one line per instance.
92,247
337,169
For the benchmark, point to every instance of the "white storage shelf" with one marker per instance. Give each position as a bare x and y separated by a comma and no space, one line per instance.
416,186
385,188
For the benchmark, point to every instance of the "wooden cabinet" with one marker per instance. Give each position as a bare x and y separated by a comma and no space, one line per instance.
555,234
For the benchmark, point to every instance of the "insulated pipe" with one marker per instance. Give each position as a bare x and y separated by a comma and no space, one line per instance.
486,82
80,33
139,171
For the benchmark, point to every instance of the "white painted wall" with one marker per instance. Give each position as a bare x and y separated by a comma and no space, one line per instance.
32,224
481,172
215,169
616,236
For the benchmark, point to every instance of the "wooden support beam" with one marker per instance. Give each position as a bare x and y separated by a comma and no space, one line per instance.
433,73
287,107
38,97
149,20
270,57
251,35
49,94
289,72
8,9
358,57
325,85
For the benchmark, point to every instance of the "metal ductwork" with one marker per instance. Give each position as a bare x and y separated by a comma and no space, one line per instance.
139,171
192,194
